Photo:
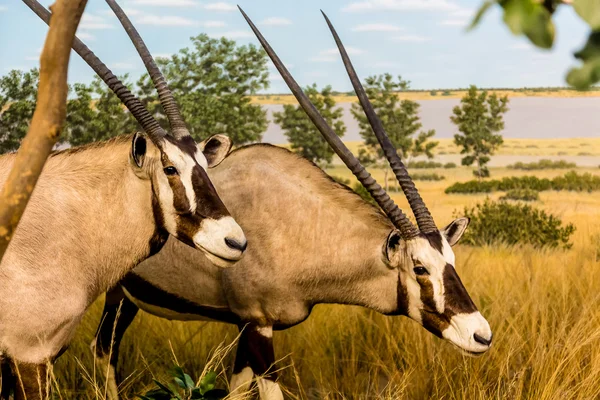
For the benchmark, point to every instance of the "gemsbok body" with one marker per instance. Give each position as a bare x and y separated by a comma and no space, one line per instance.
96,212
312,241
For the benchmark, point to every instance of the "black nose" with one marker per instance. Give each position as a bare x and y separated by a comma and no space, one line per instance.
234,244
482,340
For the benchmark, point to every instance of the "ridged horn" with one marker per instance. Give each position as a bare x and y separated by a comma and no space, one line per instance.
406,228
419,209
178,127
135,107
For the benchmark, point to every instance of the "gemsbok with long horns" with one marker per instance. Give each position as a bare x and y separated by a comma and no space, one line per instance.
96,212
319,243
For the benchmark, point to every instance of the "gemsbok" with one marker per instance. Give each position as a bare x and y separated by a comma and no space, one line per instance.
98,211
319,243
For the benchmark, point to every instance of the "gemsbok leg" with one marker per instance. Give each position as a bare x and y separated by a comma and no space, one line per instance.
117,315
255,357
29,381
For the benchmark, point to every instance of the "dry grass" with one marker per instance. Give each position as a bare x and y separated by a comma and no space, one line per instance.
543,305
426,95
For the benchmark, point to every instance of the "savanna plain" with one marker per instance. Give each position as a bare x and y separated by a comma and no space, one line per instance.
542,304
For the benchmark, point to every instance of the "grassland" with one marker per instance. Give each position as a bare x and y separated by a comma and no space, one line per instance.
439,95
543,305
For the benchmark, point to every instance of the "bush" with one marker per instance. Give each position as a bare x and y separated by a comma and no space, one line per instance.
543,164
502,222
521,194
427,177
433,92
481,173
424,164
341,180
450,165
364,193
446,93
570,181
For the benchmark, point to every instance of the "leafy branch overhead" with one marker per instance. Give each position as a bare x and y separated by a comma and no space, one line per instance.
533,19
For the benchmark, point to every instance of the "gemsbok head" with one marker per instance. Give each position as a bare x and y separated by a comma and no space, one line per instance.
429,289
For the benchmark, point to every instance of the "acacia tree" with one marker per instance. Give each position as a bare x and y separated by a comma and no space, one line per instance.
18,92
479,118
212,83
399,118
533,19
304,137
95,113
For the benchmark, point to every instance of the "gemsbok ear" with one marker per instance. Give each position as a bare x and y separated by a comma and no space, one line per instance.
215,149
392,245
455,230
138,149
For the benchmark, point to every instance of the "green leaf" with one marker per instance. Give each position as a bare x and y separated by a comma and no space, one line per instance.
589,11
208,382
163,387
589,73
530,18
480,13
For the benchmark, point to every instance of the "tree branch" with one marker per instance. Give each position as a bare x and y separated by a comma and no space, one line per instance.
48,117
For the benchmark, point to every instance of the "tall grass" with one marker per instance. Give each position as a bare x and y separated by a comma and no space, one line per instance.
543,306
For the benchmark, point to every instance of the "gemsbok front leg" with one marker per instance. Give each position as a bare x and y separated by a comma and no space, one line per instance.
255,357
117,315
29,381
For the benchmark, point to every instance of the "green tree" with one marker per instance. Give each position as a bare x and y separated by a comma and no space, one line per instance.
479,118
95,113
18,92
212,83
399,118
303,136
533,19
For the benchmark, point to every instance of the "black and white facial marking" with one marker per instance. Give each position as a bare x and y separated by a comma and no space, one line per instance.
189,205
430,291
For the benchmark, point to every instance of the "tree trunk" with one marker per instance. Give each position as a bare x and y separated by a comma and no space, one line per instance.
385,177
47,120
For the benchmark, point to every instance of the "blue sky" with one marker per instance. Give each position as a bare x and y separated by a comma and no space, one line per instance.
422,40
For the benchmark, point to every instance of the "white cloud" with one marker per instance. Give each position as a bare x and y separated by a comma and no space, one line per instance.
214,24
3,8
401,5
411,38
166,3
455,22
385,64
232,34
332,55
376,28
521,46
164,20
85,36
94,22
276,21
220,6
32,58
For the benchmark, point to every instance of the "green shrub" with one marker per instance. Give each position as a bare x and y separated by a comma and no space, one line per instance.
446,93
185,387
364,193
570,181
503,222
481,173
424,164
543,164
433,92
450,165
521,194
427,177
341,180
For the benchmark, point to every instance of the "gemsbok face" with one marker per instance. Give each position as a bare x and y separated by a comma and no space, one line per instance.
186,203
429,289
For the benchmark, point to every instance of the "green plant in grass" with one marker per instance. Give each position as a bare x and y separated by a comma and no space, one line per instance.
185,388
427,177
503,222
543,164
521,194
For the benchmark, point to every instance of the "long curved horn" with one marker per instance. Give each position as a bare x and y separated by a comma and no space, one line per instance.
422,214
135,107
178,127
406,228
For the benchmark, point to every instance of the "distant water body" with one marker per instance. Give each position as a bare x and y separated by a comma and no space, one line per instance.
528,118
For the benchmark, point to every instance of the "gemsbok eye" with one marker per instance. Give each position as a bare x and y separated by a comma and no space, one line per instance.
421,271
170,171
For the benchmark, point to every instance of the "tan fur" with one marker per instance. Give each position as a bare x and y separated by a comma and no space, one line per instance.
88,222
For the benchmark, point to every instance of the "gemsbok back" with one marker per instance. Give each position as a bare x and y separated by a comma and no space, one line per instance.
319,243
96,212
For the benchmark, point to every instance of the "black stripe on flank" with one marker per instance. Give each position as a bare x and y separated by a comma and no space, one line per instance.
144,291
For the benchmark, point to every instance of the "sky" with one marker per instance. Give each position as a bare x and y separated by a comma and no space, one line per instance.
424,41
